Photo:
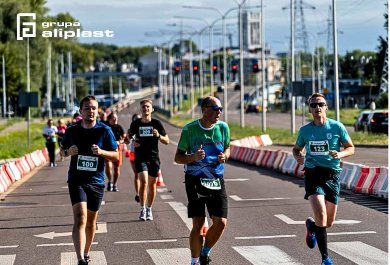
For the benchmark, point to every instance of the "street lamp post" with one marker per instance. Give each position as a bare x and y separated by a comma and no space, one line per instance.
336,64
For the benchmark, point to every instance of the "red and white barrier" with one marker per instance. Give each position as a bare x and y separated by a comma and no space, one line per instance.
379,183
5,180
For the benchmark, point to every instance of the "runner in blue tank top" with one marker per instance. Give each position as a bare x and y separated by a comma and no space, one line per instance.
322,140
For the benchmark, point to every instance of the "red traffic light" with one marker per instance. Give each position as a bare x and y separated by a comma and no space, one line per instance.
177,68
234,68
255,68
195,69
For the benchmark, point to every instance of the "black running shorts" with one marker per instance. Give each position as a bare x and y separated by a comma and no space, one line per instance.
90,193
215,200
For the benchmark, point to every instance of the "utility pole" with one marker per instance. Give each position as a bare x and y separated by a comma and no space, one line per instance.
4,89
335,64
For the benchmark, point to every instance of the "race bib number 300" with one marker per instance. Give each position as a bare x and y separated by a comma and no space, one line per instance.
146,131
319,147
87,163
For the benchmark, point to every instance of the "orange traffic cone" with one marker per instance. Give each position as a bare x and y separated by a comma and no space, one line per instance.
205,228
160,181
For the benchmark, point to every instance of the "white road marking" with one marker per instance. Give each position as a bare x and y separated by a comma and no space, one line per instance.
233,180
181,210
60,244
352,233
146,241
265,255
7,259
359,252
166,197
237,198
290,221
13,246
70,258
265,237
172,142
101,228
172,256
162,189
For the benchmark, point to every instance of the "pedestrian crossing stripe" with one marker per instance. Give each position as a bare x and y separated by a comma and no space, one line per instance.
7,259
359,252
170,256
265,255
355,251
70,258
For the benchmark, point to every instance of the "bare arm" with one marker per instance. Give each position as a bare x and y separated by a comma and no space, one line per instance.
181,157
298,155
349,149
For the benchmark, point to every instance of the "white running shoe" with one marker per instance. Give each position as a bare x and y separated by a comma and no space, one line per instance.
142,214
149,214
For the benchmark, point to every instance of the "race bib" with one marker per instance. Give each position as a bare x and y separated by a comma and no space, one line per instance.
146,131
211,184
319,147
87,163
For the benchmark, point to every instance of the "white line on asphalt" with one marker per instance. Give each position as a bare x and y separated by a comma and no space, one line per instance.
181,210
359,252
7,259
238,179
290,221
351,233
265,237
166,197
13,246
69,258
101,228
146,241
60,244
265,255
162,189
172,142
172,256
237,198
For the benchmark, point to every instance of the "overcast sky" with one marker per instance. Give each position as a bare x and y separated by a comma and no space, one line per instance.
360,22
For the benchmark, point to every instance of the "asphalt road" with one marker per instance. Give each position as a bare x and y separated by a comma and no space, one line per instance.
266,216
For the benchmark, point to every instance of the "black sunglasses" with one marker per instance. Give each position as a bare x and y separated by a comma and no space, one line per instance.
319,104
215,108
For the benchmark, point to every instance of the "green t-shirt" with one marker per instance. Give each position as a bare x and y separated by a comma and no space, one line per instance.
213,140
319,140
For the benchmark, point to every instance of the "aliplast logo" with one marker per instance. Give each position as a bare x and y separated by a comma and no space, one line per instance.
26,27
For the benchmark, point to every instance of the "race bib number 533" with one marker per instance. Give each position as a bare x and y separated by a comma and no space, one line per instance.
87,163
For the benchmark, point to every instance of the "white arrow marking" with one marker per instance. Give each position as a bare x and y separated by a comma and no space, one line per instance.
237,198
101,228
290,221
235,180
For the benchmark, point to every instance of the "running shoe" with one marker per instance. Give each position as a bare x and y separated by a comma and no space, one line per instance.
115,188
311,240
87,258
142,214
327,261
109,186
204,260
82,262
149,214
136,198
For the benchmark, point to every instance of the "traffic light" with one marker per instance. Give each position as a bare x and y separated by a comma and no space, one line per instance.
215,69
176,68
255,66
195,69
234,68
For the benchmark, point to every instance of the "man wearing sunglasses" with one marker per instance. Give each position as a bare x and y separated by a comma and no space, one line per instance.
322,140
203,148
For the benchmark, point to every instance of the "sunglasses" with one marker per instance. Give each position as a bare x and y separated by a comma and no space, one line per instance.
215,108
319,104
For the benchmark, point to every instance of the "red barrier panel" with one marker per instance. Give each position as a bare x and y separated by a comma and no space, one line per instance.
362,178
5,180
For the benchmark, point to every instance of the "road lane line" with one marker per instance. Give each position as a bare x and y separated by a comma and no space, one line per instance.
166,197
264,237
181,210
237,198
13,246
352,233
7,259
170,256
60,244
265,255
290,221
234,180
146,241
70,258
359,252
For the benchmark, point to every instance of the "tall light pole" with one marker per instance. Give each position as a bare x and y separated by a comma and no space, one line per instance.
28,90
4,89
264,102
242,90
336,64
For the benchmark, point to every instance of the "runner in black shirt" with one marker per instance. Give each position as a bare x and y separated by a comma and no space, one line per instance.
147,132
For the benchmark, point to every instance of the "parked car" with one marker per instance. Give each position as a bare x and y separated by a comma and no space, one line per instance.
361,121
378,122
253,106
220,88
